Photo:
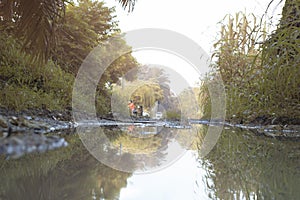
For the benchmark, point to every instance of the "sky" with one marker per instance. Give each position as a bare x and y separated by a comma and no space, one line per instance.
196,19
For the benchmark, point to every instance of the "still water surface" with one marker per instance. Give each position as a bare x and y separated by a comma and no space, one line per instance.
240,166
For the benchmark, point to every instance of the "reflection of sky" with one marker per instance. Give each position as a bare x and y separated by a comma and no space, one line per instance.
176,182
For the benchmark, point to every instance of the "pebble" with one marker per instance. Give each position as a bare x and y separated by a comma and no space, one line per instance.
14,121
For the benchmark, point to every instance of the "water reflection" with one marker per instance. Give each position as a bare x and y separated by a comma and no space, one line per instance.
245,166
70,173
137,149
240,166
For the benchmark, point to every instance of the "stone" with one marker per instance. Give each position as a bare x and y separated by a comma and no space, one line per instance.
3,122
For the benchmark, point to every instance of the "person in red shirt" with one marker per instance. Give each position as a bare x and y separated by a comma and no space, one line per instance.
131,107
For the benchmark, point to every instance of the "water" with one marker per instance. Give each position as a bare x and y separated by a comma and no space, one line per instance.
164,166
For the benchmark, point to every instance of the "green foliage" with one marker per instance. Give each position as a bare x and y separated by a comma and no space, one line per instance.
204,99
173,115
37,22
238,60
87,26
35,87
260,73
141,92
33,22
280,81
103,105
147,94
84,27
189,104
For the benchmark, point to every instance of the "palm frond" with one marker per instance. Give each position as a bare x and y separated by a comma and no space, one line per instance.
128,4
34,23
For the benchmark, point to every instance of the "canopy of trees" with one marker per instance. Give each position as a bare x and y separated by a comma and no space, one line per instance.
55,45
37,22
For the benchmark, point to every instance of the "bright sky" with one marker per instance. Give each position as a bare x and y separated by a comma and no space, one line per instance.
196,19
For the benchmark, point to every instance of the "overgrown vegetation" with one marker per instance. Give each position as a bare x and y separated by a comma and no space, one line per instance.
28,81
37,23
260,72
26,85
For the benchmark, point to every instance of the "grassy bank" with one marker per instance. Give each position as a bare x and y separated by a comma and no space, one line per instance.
27,85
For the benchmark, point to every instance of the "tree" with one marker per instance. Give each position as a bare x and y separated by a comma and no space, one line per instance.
36,22
84,27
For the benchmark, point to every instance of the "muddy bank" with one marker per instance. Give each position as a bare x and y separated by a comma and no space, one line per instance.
34,121
41,121
25,132
40,130
280,127
281,130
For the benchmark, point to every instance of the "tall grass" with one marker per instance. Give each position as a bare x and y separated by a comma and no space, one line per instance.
258,80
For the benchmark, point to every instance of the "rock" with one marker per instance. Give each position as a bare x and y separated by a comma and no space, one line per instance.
3,122
30,124
14,120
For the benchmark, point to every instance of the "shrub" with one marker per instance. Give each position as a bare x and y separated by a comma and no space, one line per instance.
26,84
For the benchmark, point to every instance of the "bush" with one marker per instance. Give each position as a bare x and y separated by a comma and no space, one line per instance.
173,115
26,84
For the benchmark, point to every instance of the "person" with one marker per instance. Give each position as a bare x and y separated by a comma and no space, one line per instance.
131,107
140,111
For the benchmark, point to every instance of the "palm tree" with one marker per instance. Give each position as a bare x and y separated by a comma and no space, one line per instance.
128,4
36,21
33,22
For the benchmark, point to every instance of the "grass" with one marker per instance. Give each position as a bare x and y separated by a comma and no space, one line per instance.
260,72
26,85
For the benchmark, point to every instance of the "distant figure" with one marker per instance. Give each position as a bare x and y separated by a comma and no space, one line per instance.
139,111
131,107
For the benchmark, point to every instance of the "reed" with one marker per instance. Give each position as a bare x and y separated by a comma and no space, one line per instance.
260,71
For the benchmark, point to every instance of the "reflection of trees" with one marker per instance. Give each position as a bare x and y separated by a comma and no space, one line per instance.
244,165
145,151
68,174
189,104
98,142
